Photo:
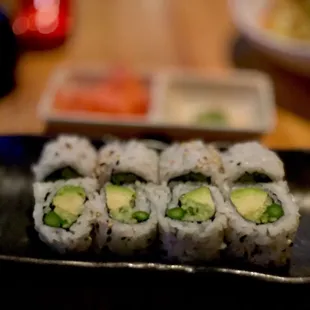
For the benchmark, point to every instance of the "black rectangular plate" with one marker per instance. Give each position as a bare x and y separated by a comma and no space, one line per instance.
19,243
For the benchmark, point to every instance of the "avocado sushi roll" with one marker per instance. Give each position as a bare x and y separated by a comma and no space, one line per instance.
192,223
129,223
127,162
191,161
66,157
66,212
262,223
250,162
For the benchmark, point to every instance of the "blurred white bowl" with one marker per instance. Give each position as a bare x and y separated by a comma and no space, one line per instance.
291,54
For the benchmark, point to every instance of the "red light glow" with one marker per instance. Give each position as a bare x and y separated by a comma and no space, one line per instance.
46,22
45,5
46,16
43,22
20,25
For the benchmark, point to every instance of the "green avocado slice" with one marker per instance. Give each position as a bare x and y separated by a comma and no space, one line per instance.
254,204
121,203
67,205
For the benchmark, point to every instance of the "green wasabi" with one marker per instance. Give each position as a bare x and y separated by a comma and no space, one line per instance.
214,118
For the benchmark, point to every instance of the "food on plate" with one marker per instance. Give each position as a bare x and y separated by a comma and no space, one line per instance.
198,201
207,105
190,161
192,224
66,212
262,223
119,93
214,118
66,157
129,224
127,162
289,18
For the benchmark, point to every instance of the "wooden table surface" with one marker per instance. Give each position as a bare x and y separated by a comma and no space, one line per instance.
156,34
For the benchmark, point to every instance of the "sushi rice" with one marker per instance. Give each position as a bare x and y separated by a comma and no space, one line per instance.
158,182
124,238
66,151
132,157
192,158
264,244
191,241
78,237
246,159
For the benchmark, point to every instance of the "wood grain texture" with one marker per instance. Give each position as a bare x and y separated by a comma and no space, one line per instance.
154,34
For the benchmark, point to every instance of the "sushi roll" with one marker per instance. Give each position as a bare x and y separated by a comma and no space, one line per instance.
192,223
66,212
64,158
191,161
127,162
129,223
262,223
250,162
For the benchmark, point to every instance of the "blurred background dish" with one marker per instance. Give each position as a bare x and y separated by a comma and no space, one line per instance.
157,36
115,93
240,102
216,102
288,18
278,28
95,93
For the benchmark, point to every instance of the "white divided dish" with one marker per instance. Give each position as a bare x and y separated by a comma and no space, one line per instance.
244,98
237,101
65,75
